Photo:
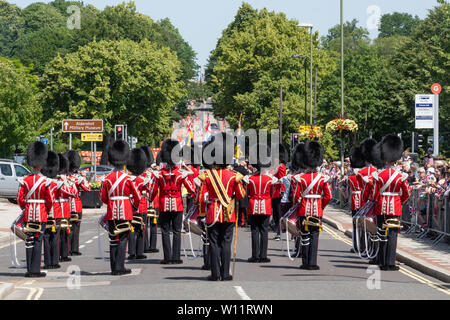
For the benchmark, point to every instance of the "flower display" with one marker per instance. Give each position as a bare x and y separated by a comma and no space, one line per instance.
310,133
95,185
340,125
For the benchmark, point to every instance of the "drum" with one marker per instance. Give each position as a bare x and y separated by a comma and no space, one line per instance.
18,225
291,220
103,222
367,215
191,221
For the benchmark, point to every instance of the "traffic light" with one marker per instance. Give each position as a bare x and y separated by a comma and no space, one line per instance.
418,140
295,140
119,132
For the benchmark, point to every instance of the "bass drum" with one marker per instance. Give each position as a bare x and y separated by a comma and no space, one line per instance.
18,225
191,221
366,215
103,222
291,220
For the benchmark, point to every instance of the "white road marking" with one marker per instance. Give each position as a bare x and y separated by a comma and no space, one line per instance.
82,246
89,241
241,293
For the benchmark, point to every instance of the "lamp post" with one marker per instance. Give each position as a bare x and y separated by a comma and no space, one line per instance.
310,26
306,94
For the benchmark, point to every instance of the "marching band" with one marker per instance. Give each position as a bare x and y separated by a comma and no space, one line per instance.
142,193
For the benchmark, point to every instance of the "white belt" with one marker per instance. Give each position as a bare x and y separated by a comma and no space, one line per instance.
390,194
356,192
35,201
313,196
62,200
119,198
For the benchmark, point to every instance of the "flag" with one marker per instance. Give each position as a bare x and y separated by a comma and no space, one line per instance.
237,152
207,133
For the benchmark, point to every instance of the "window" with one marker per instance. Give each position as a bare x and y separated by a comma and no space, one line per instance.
5,169
21,171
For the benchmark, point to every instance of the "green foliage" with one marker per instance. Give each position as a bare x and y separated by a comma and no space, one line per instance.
117,81
354,37
11,26
19,110
401,24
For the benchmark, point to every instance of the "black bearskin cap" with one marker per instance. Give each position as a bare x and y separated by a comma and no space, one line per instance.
391,148
37,154
74,160
118,153
205,164
255,158
283,154
166,152
222,143
376,156
63,164
314,154
356,158
149,155
137,162
298,157
366,149
52,166
158,158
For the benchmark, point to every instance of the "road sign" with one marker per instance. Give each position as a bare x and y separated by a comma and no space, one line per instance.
82,125
95,137
424,111
436,88
44,141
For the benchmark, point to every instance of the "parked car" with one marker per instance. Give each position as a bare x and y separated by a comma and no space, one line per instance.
10,171
101,170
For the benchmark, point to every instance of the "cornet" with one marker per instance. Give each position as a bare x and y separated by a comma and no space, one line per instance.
123,227
31,227
313,222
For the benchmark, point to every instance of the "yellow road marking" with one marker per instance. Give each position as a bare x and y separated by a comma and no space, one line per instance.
33,291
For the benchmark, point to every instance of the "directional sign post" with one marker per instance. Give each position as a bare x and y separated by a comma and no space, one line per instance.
82,125
92,137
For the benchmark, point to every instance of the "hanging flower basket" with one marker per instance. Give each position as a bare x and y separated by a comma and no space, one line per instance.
310,133
342,126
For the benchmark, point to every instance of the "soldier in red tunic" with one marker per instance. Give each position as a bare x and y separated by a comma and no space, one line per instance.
35,199
278,189
120,195
224,187
391,191
136,164
260,188
169,183
364,175
315,196
58,188
80,184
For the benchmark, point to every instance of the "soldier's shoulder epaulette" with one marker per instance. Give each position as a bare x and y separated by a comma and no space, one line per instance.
239,177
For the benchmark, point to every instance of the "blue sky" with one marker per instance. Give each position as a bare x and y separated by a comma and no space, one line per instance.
201,22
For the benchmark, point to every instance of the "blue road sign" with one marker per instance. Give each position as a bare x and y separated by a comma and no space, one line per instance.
44,141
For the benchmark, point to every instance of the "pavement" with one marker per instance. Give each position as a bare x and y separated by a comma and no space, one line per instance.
420,254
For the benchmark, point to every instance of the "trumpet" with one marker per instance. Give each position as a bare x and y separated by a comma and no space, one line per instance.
31,227
51,224
151,213
123,227
313,222
392,223
138,220
65,224
73,217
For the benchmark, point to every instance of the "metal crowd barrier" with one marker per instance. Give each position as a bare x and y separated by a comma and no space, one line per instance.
336,194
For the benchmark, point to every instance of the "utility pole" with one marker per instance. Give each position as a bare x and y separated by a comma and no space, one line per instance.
281,114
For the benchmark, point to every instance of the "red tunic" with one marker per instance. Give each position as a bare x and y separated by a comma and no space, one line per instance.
121,198
364,177
79,183
390,196
169,183
62,193
356,190
296,194
259,189
314,201
37,205
142,185
278,188
232,183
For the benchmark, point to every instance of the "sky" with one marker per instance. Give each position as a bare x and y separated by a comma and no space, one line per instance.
201,22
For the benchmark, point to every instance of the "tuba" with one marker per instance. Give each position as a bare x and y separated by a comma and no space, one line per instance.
311,221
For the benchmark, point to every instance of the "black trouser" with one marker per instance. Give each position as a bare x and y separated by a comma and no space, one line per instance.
206,244
276,212
310,244
117,246
243,216
153,232
220,237
136,239
75,233
388,244
64,242
33,250
171,220
354,231
259,225
51,244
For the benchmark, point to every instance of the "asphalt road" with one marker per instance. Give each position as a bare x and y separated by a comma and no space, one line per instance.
342,275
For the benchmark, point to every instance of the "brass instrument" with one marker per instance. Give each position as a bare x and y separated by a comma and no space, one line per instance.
392,223
51,224
74,217
313,222
65,224
123,227
152,213
31,227
138,220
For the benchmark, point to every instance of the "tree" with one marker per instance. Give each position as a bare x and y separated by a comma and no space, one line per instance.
354,37
11,26
401,24
117,81
19,111
38,15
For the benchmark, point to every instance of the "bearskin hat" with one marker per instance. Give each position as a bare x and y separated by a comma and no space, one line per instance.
298,157
376,156
149,155
260,156
37,154
356,158
220,150
63,164
158,158
52,166
166,152
283,154
74,160
391,148
366,149
137,161
206,159
118,153
314,154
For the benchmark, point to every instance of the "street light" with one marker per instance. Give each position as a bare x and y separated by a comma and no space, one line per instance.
310,26
306,95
